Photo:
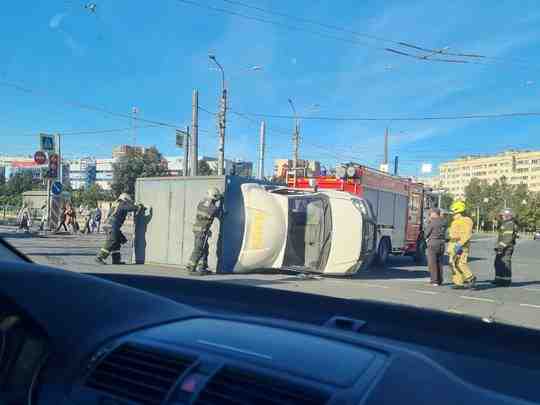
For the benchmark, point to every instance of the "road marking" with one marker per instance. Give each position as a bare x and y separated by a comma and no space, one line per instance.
466,297
374,285
482,239
532,289
426,292
529,305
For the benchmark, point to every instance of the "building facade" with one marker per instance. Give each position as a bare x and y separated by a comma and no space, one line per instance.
311,167
517,166
87,171
122,150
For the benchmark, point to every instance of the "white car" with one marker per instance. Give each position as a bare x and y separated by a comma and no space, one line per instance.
330,232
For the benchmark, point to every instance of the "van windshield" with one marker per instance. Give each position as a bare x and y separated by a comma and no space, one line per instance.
309,232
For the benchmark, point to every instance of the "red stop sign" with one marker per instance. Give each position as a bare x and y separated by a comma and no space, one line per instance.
53,158
40,157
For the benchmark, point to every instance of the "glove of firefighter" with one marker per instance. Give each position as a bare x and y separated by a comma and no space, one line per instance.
458,249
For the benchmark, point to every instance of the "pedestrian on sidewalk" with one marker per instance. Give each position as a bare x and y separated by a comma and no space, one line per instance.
96,221
62,220
44,216
87,217
506,240
460,233
24,218
436,238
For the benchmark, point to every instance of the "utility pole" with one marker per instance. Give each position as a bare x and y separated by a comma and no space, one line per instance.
222,121
186,153
134,111
477,219
195,134
296,141
386,147
262,146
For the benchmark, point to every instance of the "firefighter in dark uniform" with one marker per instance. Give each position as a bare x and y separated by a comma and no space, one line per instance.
506,240
115,237
208,209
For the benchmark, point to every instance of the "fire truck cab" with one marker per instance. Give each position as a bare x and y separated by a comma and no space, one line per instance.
398,203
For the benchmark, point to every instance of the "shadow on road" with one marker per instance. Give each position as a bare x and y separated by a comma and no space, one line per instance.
515,284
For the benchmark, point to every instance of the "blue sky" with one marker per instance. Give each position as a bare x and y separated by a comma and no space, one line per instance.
153,54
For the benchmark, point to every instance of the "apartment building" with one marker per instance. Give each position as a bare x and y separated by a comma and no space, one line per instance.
517,166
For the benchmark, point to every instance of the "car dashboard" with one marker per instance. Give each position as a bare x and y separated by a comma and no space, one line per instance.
118,345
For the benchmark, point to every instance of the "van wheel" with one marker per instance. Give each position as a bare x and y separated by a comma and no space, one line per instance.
383,252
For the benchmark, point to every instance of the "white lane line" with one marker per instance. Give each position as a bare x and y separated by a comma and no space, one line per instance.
375,285
529,306
465,297
532,289
426,292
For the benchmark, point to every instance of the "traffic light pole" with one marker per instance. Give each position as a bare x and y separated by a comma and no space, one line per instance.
47,225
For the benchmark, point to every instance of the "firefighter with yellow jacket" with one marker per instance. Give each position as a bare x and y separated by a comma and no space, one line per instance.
459,233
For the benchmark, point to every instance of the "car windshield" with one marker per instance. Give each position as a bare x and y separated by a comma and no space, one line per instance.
241,142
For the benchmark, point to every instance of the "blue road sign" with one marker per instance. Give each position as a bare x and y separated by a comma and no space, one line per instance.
56,188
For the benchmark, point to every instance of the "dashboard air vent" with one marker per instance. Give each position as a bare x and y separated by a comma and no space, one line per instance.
235,386
138,373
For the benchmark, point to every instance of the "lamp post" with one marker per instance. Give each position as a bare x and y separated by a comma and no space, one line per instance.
222,118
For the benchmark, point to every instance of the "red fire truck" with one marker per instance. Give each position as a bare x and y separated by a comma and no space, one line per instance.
398,203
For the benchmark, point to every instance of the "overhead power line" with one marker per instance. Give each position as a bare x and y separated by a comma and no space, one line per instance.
353,36
353,32
424,118
89,107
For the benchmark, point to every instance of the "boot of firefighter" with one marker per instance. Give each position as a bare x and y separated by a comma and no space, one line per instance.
117,258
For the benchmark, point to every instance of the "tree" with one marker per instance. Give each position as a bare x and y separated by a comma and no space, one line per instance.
446,200
133,165
90,196
204,168
19,183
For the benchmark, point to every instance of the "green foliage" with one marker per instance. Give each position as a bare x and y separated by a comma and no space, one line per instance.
490,199
90,196
134,164
446,201
204,169
11,191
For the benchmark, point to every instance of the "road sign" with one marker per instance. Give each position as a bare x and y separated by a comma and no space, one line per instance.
40,157
56,188
181,137
46,142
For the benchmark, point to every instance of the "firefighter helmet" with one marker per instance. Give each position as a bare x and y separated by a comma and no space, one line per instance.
506,213
214,193
457,207
124,197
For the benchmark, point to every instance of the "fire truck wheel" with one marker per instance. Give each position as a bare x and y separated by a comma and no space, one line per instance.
383,251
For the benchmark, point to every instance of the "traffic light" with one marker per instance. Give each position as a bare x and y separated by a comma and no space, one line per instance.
53,165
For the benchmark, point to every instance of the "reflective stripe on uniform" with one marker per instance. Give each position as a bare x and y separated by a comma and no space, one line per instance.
503,278
505,232
115,251
105,250
502,244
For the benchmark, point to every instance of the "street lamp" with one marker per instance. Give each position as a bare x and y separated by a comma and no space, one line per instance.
222,117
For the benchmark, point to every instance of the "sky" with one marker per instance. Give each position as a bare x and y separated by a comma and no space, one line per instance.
64,67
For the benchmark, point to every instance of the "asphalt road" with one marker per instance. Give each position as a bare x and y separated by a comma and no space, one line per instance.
401,282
